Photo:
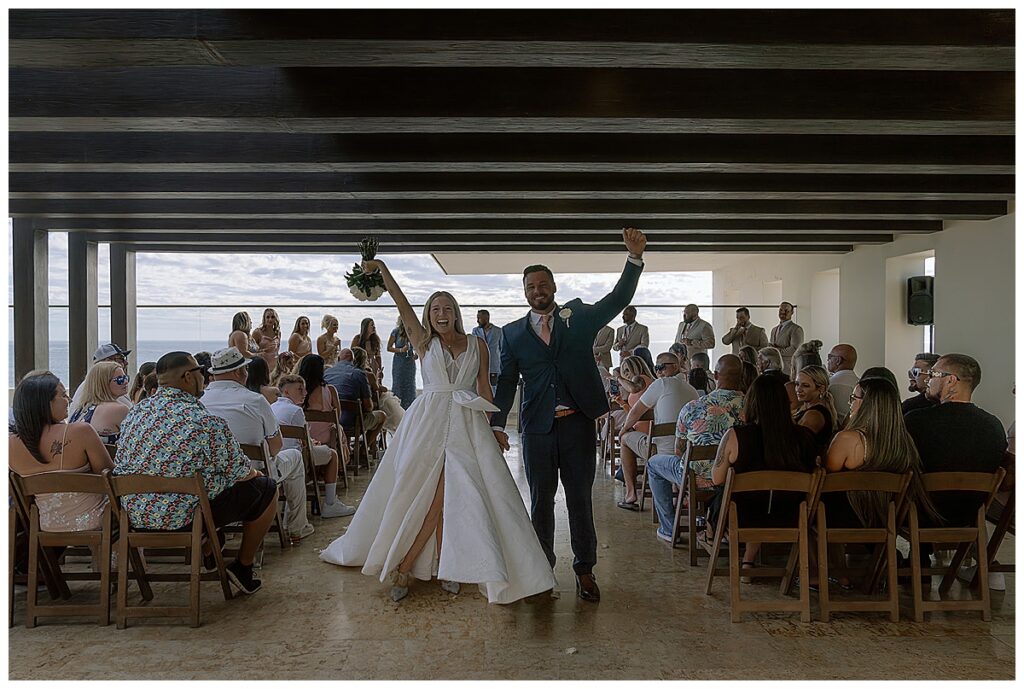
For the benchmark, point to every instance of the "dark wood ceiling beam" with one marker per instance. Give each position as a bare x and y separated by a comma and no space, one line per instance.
504,248
747,26
553,92
231,147
427,185
516,125
465,209
480,225
134,52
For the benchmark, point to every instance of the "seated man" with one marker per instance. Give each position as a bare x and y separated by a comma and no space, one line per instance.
288,411
172,435
701,422
252,421
352,384
666,396
956,435
918,375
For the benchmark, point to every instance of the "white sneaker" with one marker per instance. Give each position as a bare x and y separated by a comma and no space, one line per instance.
337,509
307,530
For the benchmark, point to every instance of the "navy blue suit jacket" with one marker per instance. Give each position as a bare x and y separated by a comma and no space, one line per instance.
569,358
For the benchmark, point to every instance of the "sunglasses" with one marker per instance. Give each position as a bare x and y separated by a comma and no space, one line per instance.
855,397
917,371
939,374
661,367
120,380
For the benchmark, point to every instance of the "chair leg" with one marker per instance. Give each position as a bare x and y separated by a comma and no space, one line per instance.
716,545
891,566
986,611
680,499
643,489
197,557
104,548
734,566
915,566
33,575
12,534
823,592
279,520
691,517
955,563
805,570
791,568
123,548
139,569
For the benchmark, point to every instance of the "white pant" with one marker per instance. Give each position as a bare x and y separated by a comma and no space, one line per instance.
321,455
287,471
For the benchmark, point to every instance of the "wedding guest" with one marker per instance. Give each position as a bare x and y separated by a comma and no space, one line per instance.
786,336
603,347
806,355
328,345
150,385
286,363
320,396
749,374
918,374
288,411
748,354
633,378
106,352
105,385
136,391
349,383
695,334
883,373
258,380
631,335
42,443
203,359
241,335
491,335
698,380
769,362
383,399
645,354
666,396
268,337
299,343
171,434
403,364
841,361
370,341
744,333
816,409
684,361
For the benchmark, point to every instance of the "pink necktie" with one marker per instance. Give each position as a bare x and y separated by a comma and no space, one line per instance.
545,328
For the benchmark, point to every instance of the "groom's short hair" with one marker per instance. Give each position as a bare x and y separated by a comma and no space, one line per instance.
537,269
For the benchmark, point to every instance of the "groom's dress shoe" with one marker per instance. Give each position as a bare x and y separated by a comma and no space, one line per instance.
586,588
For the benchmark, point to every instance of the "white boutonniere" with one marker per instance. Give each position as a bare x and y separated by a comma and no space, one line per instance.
565,314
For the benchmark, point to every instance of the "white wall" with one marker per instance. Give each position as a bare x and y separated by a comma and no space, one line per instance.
974,299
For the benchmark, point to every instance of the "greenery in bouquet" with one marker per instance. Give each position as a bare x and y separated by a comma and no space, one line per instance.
365,286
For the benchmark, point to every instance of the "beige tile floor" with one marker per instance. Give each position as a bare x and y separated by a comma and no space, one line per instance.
320,622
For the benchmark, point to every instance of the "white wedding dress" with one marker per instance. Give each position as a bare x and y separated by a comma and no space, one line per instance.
487,537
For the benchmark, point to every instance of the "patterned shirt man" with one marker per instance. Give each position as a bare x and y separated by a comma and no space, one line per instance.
171,434
706,419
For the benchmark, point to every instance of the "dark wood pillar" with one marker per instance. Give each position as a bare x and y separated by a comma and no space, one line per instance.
123,303
31,298
83,329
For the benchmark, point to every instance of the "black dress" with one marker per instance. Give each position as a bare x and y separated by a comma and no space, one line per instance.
824,436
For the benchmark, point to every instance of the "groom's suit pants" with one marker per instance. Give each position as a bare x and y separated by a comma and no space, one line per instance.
566,452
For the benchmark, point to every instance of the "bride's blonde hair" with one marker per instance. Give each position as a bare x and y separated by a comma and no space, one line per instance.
429,328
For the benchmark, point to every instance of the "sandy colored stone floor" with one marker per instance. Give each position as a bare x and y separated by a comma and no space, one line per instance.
315,621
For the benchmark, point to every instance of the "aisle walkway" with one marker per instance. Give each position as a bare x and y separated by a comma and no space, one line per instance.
319,622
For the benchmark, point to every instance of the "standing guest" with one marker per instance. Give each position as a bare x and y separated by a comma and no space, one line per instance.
403,365
258,380
695,334
171,434
328,345
745,333
491,335
288,411
100,406
815,408
631,335
268,337
956,434
41,443
748,354
666,396
319,395
603,347
106,352
840,363
286,363
769,362
918,374
252,421
368,340
786,336
347,382
135,394
241,336
299,343
203,359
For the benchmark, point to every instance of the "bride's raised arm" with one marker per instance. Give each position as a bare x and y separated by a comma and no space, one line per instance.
413,327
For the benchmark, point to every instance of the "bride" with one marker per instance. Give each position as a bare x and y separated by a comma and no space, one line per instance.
443,502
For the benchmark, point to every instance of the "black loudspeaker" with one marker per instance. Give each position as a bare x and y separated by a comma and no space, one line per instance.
921,300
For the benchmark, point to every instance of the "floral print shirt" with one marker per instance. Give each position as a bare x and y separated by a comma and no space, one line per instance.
705,420
171,434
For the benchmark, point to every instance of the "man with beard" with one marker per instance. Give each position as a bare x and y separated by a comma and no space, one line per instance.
695,334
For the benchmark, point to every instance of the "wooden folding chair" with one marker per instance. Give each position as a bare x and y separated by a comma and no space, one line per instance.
657,430
260,455
360,447
964,537
761,481
895,487
1002,517
98,540
314,486
48,568
190,540
692,501
111,450
338,440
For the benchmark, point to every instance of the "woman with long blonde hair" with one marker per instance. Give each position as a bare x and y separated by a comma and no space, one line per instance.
328,345
98,405
299,342
816,409
442,501
241,335
268,337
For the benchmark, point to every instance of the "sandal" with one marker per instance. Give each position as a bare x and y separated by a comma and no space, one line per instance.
633,506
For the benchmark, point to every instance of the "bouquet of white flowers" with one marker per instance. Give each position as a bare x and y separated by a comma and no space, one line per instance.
365,286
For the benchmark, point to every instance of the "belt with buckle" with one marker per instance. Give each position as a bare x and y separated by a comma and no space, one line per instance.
559,413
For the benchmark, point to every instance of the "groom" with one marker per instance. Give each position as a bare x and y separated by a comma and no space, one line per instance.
552,349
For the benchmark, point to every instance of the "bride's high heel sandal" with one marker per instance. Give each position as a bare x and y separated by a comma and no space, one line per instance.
400,586
450,586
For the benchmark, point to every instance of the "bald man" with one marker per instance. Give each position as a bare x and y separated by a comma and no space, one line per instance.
840,363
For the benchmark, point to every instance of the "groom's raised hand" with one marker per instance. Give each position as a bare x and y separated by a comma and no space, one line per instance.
635,241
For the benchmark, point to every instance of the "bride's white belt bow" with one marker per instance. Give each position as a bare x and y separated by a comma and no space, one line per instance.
462,396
